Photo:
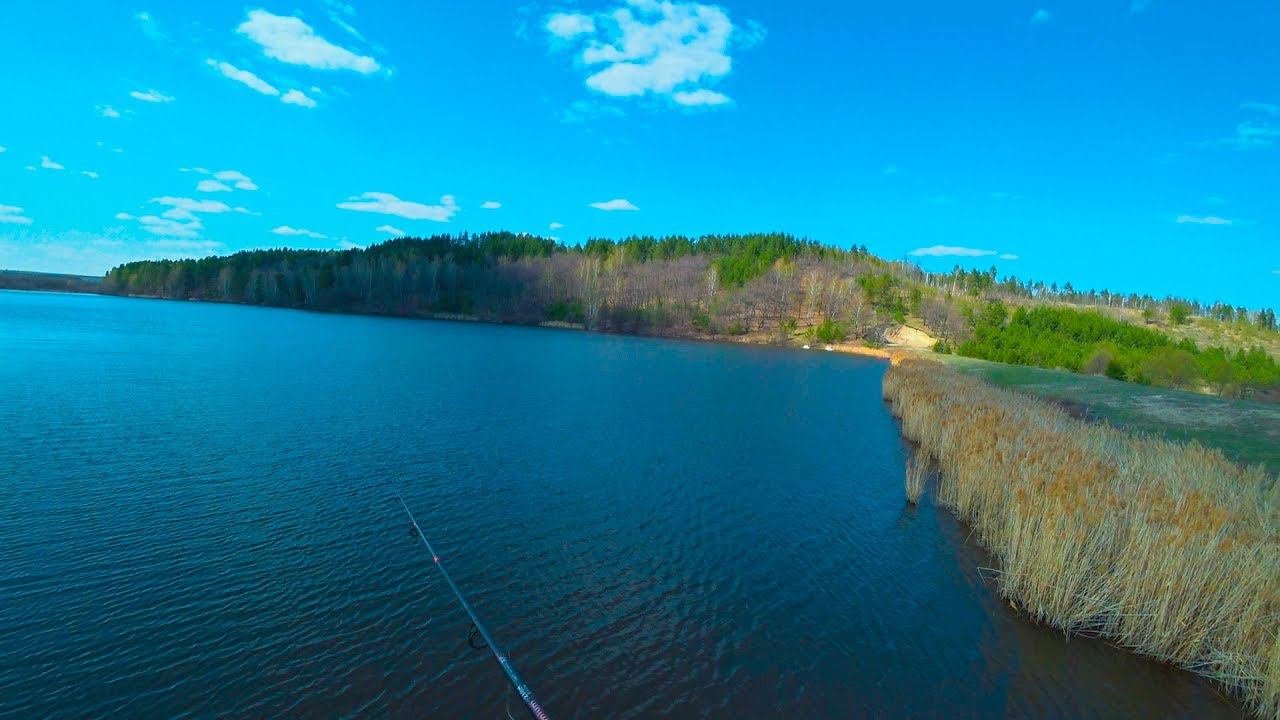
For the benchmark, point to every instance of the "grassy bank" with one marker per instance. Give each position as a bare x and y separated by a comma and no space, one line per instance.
1168,549
1245,431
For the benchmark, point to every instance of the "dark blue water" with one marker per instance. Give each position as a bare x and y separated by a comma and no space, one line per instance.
195,522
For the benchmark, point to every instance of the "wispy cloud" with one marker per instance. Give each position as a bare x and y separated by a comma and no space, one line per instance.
567,26
13,215
1197,220
286,230
1041,17
151,96
555,226
1008,256
297,97
181,217
490,204
672,49
391,230
149,26
290,40
208,186
388,204
1258,132
89,174
1261,107
93,253
243,77
614,205
951,251
107,111
701,97
48,164
589,109
241,181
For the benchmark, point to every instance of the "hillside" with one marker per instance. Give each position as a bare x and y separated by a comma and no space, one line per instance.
24,280
768,287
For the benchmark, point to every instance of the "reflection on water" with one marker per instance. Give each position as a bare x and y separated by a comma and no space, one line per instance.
197,522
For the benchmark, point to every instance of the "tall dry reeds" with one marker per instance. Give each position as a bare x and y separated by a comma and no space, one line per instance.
917,470
1168,549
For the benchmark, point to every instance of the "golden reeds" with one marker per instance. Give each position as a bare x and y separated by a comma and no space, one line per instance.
917,469
1168,549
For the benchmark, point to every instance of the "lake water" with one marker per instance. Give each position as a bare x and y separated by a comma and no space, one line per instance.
195,521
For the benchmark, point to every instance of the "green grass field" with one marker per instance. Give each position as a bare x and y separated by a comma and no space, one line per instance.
1247,432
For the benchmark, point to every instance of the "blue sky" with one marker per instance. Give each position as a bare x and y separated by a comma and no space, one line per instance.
1126,144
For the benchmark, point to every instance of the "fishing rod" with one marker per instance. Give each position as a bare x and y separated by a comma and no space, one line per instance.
526,695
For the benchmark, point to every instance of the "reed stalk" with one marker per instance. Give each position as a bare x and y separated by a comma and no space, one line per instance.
917,470
1168,549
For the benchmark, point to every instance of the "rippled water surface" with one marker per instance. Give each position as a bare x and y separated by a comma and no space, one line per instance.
195,521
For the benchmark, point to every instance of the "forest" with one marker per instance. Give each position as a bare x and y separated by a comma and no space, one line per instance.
773,287
1089,342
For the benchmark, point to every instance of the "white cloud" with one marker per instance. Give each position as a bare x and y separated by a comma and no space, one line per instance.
950,251
614,205
286,230
1261,107
13,215
490,204
1041,17
388,204
185,208
391,230
107,111
151,96
239,179
243,77
646,46
124,216
290,40
700,97
348,245
211,186
297,97
570,25
169,227
48,164
555,226
89,174
181,219
1206,220
1008,256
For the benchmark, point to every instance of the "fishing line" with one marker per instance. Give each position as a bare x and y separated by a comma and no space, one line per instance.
526,695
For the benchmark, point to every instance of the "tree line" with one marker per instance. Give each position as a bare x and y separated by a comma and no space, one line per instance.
772,286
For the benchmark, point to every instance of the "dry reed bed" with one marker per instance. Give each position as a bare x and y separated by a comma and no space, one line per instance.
1170,550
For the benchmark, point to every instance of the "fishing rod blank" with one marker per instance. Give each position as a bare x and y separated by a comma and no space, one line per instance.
525,693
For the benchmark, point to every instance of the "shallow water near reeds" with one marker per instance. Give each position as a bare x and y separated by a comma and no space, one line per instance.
195,522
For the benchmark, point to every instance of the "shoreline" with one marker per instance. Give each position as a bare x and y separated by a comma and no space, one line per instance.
1165,549
886,352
